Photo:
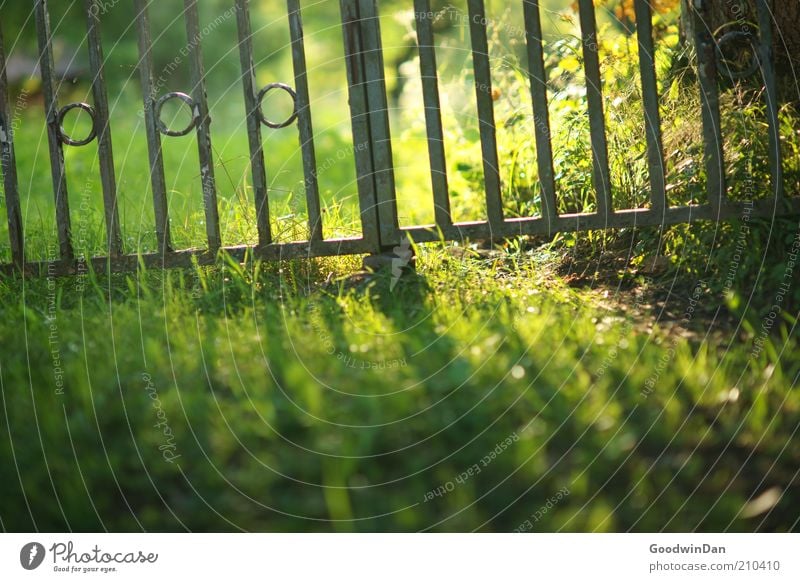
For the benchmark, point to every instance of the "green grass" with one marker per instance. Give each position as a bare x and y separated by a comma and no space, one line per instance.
237,210
640,372
295,405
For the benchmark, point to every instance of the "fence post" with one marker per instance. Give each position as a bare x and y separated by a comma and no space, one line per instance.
156,156
709,100
359,117
8,162
767,67
380,134
105,150
57,164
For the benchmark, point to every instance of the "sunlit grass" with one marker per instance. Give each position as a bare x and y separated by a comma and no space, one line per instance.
301,397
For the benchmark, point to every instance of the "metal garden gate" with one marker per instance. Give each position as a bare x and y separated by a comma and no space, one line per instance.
369,114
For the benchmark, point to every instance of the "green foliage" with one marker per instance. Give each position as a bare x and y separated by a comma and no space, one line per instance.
300,405
262,379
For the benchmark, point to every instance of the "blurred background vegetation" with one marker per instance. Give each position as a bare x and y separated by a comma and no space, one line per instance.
742,104
329,111
495,345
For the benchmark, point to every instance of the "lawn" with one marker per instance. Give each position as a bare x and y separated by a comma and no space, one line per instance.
638,380
262,397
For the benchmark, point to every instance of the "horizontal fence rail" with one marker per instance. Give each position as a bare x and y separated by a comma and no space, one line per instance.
370,123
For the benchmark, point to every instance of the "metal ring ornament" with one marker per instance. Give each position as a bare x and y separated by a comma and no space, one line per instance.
62,134
162,127
731,38
260,100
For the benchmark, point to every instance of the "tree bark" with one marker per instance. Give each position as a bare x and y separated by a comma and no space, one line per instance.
731,15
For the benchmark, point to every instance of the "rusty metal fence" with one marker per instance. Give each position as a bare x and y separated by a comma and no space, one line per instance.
369,115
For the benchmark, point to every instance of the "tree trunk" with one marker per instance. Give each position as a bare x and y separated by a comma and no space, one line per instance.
742,15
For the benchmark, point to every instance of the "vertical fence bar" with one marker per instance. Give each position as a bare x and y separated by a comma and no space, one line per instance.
652,117
304,125
257,165
488,130
359,114
381,140
433,113
157,179
57,166
8,163
765,58
194,38
709,104
103,128
594,97
541,117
